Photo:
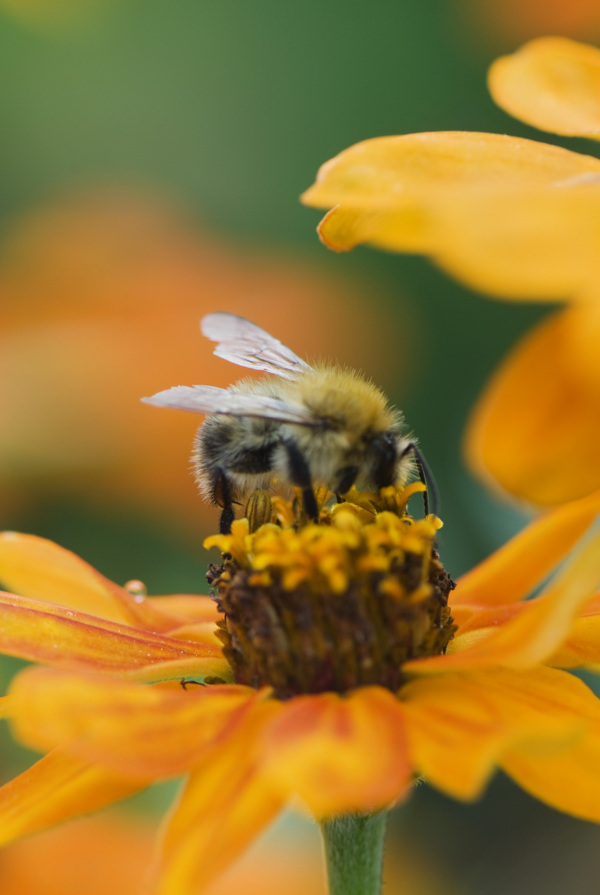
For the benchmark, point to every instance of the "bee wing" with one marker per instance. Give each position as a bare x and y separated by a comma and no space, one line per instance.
246,344
210,399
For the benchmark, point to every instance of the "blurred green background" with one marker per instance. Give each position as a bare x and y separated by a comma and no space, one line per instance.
151,158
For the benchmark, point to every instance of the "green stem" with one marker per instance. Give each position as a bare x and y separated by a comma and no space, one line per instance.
354,853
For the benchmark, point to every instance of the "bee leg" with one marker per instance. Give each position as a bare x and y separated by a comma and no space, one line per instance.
299,475
346,478
224,498
426,476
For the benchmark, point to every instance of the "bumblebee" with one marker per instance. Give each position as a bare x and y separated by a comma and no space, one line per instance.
301,425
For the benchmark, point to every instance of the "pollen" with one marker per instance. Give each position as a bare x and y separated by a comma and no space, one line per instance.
333,605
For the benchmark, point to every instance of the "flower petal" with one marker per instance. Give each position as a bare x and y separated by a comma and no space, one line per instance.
340,754
537,631
189,608
35,567
223,807
549,452
134,730
460,725
552,83
513,571
409,172
565,778
43,632
342,229
56,788
581,648
38,568
523,241
514,218
71,859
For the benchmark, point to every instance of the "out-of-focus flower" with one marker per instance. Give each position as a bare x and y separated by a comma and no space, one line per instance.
101,302
71,859
516,219
313,702
115,852
90,856
519,20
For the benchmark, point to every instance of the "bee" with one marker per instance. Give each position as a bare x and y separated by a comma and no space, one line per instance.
302,424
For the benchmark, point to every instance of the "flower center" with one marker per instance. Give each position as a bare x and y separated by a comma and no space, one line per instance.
334,605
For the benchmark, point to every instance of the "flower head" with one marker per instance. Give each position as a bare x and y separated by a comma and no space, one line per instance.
516,219
331,607
338,639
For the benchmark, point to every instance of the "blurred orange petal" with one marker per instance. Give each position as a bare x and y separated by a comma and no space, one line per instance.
168,728
516,568
43,632
581,647
537,631
55,789
101,300
552,83
220,811
322,748
524,241
566,779
518,20
548,452
459,725
72,859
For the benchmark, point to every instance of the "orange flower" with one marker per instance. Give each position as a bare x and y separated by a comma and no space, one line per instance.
516,219
101,300
518,20
72,860
327,678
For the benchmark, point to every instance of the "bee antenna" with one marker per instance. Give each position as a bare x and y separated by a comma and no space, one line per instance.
426,476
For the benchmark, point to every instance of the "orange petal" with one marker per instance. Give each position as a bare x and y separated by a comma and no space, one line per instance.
552,83
43,632
56,788
35,567
582,337
523,241
135,730
566,778
72,858
189,608
475,621
410,172
342,229
460,725
223,807
513,571
581,648
6,706
514,218
549,452
340,754
537,631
